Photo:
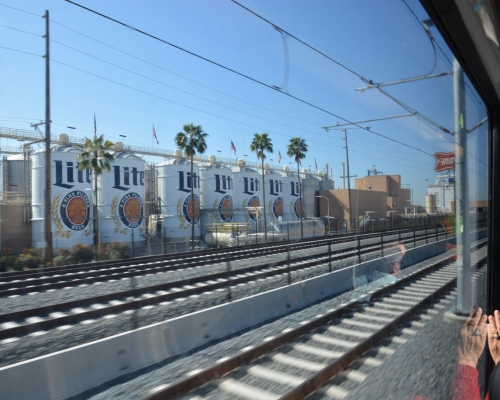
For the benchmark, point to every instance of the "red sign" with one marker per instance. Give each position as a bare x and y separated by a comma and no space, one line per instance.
444,161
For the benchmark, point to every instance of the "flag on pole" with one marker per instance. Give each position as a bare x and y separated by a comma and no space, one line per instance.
315,163
154,135
279,156
95,128
233,147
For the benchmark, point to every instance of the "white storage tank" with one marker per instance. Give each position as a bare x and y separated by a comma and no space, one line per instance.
174,190
291,196
18,170
121,199
274,194
216,192
430,203
246,193
71,198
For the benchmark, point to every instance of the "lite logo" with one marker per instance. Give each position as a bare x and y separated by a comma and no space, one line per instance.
124,174
223,183
294,191
251,185
65,174
275,187
185,181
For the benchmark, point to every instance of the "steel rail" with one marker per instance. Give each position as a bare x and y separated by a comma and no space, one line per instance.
311,242
78,278
320,378
223,281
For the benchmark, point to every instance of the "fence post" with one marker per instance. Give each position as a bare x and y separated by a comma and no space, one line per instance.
359,250
163,242
288,230
414,237
382,244
229,294
288,263
437,234
133,252
426,235
330,256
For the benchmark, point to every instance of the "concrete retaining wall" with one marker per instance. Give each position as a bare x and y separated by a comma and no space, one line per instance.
73,371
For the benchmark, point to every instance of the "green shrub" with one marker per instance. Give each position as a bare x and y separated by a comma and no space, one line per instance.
82,253
63,258
7,262
114,251
28,259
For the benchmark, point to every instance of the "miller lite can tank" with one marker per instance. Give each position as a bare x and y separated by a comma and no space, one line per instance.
216,192
178,209
274,188
291,196
121,199
246,193
71,198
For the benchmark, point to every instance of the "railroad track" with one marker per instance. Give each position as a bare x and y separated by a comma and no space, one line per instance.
70,312
293,364
57,278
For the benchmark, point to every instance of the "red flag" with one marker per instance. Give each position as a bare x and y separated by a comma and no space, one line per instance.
154,135
279,156
95,128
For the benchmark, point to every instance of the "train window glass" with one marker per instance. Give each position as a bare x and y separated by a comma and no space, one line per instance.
344,134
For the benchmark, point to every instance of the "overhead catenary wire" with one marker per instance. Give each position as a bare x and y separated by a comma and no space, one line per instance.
442,51
241,74
162,98
269,86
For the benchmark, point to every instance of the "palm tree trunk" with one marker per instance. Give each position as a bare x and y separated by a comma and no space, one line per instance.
301,205
264,201
192,201
94,212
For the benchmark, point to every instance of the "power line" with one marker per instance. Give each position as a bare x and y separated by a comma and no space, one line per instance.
180,76
442,51
241,74
184,91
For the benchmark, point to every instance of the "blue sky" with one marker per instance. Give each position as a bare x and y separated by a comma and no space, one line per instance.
158,84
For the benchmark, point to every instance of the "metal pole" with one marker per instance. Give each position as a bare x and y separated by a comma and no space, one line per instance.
343,175
47,194
348,175
359,251
381,244
465,299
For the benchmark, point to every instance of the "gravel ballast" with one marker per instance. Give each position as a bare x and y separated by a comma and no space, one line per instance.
140,384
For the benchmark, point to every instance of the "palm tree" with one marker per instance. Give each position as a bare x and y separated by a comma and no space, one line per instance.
96,156
298,149
192,140
260,143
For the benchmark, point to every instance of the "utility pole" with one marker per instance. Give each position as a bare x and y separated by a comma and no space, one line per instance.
47,194
343,175
465,295
348,177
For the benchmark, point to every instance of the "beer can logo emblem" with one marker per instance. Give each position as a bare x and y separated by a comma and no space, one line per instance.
277,208
130,210
75,210
226,208
191,209
253,202
297,208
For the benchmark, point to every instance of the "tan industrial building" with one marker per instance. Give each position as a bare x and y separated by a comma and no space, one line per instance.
374,195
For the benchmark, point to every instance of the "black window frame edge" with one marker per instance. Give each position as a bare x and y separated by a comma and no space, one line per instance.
446,16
